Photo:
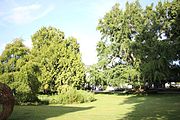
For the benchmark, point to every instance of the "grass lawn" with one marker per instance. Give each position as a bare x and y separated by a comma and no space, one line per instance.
107,107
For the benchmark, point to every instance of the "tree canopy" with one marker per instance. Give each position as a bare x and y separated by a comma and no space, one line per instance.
52,62
137,45
18,71
59,59
144,42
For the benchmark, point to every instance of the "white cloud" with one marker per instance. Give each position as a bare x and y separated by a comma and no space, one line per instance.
27,8
27,14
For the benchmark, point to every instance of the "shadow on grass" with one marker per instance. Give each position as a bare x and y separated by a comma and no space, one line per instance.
42,112
154,107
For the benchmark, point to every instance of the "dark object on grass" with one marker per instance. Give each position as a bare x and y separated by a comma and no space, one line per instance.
7,100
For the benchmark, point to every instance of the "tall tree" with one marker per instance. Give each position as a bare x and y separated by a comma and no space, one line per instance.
59,59
118,29
145,41
157,43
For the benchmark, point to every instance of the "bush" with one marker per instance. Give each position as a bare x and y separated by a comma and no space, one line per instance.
23,86
25,98
68,95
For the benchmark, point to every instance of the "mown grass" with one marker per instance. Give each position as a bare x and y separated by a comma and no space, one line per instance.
107,107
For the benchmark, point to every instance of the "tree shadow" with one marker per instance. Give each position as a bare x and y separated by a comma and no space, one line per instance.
42,112
154,107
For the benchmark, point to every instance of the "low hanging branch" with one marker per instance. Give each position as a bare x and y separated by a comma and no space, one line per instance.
7,100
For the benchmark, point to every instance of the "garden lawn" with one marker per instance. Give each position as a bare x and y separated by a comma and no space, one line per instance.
107,107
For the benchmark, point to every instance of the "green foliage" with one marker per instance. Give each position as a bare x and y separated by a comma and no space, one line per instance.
52,62
116,76
157,41
25,97
144,42
95,76
19,72
118,29
68,95
59,59
13,57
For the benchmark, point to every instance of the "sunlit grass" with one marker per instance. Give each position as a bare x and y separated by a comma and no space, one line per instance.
106,107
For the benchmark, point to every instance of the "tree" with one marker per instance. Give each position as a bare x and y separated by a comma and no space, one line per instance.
157,41
19,72
59,59
118,29
95,76
144,41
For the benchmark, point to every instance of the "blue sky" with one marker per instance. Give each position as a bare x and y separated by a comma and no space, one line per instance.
77,18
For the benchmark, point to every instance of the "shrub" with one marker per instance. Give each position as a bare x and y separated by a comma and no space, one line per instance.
68,95
19,71
22,98
23,85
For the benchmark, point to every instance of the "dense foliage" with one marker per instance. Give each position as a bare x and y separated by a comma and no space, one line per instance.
52,62
59,59
68,95
19,72
139,45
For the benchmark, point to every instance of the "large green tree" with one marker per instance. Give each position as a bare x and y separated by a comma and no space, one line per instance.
19,72
143,41
157,46
118,29
59,59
